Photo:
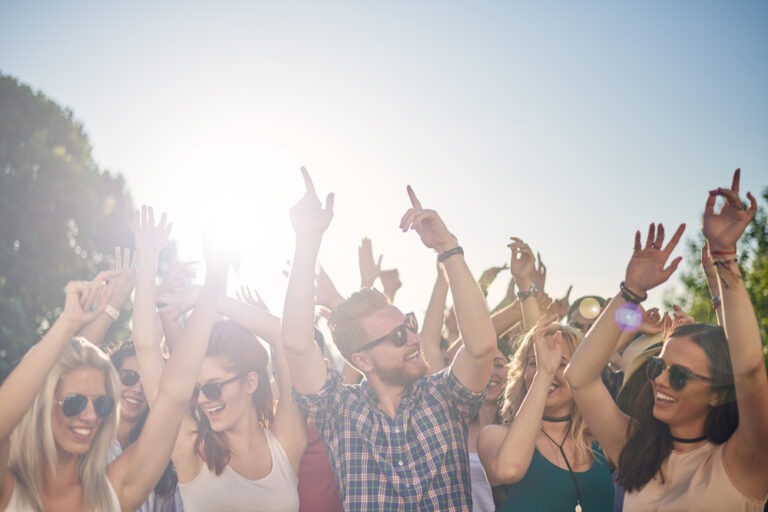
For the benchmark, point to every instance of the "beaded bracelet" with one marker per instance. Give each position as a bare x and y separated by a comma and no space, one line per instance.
631,296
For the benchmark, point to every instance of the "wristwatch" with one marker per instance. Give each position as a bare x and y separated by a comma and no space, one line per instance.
533,292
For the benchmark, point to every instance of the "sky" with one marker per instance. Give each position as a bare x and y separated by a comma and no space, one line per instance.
568,124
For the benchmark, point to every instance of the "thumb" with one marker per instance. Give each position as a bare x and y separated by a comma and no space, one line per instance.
329,203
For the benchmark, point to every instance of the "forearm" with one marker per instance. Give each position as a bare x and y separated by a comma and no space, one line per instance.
505,318
146,340
597,348
299,310
531,311
739,322
516,450
173,331
182,368
471,311
432,328
259,322
22,385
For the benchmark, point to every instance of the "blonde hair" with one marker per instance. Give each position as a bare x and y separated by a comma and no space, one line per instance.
345,321
515,391
33,444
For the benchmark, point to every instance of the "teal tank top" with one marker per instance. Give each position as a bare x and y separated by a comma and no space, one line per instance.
548,488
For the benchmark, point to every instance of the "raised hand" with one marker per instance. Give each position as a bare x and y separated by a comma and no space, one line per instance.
680,318
123,273
308,216
179,275
522,261
148,237
177,302
245,295
488,276
724,229
646,268
369,270
428,224
85,300
539,273
390,282
548,349
560,306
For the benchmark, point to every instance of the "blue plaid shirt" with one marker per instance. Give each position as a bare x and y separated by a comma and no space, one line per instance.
417,461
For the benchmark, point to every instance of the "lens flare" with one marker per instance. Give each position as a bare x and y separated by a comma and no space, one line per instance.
628,317
589,308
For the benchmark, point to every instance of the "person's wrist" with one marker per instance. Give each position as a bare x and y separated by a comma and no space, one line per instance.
523,283
715,249
446,245
70,323
635,287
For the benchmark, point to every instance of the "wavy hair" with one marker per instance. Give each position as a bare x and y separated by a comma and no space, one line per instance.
33,444
516,389
240,352
649,440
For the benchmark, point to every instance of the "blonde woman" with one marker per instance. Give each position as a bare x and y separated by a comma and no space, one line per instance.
544,452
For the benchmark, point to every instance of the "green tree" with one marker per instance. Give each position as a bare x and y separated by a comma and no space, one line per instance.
753,258
59,214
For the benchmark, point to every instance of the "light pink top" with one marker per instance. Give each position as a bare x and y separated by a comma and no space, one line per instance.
693,480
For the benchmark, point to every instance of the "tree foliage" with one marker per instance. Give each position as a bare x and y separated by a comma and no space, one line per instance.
753,258
59,214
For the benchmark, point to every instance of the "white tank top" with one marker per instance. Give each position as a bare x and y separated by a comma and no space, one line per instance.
15,506
232,492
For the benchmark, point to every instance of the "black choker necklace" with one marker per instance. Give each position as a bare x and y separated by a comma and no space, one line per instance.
688,440
567,417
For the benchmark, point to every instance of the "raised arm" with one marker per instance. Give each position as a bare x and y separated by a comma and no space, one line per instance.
369,270
123,273
472,365
713,283
522,265
310,221
506,451
149,239
137,470
432,327
84,302
747,450
645,271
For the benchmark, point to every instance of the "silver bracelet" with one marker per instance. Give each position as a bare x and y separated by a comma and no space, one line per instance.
111,312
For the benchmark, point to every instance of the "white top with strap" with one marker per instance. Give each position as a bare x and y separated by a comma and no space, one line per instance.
482,495
232,492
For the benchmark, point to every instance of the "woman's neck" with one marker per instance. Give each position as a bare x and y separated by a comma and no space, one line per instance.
245,434
487,414
124,429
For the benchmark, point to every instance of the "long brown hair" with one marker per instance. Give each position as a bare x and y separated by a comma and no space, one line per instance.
649,440
240,352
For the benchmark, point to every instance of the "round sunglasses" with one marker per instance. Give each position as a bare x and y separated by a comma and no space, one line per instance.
72,405
129,377
678,375
398,335
212,390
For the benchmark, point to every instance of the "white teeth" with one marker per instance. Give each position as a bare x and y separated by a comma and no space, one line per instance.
666,398
552,387
412,356
82,431
215,409
131,401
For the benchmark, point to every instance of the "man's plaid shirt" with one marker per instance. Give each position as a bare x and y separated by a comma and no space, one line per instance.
417,461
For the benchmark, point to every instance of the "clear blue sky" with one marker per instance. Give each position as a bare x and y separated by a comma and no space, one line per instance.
570,124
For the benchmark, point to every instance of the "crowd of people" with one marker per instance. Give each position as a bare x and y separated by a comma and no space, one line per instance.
217,404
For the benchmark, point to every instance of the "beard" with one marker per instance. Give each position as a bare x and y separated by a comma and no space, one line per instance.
405,374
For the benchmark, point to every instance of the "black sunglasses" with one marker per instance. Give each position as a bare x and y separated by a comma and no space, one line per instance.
212,390
678,375
129,377
398,335
72,405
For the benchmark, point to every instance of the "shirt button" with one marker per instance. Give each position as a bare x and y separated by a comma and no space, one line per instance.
400,463
397,430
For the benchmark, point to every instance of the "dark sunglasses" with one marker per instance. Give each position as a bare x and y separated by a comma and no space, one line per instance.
398,335
129,377
678,375
72,405
212,390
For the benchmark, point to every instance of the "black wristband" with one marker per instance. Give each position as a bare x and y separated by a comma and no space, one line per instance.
450,252
631,296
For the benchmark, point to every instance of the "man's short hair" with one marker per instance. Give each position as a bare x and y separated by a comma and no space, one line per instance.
345,323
